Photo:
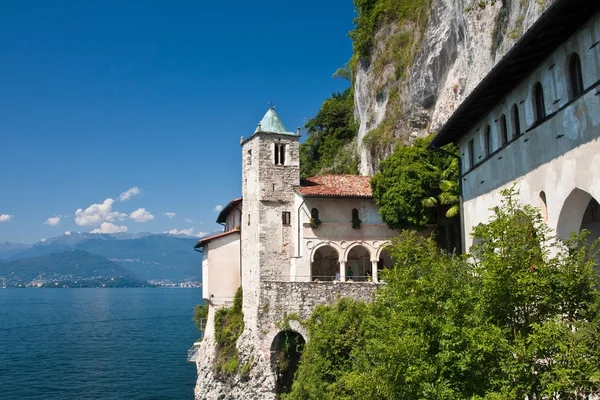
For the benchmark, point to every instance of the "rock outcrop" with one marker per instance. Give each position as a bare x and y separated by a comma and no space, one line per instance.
461,43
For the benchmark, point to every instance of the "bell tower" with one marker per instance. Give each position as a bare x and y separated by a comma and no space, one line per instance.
270,171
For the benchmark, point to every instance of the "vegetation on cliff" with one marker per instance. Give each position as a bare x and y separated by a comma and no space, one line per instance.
330,146
519,317
416,187
229,325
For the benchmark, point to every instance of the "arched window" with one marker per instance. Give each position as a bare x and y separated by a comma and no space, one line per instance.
539,106
354,214
503,129
488,141
575,77
515,121
314,214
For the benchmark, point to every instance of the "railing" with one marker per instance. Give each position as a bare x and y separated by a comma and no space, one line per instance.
192,355
319,278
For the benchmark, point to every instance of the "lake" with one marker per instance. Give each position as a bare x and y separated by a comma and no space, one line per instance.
97,343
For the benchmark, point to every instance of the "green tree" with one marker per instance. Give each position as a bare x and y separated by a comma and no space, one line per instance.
329,147
416,187
518,317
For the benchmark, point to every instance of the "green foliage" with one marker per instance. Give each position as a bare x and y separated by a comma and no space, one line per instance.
410,181
329,147
511,320
229,325
200,315
372,13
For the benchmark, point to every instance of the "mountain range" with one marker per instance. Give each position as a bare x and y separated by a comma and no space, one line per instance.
144,256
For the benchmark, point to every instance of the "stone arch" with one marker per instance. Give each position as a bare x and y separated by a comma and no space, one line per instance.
381,249
324,262
324,244
571,215
286,351
358,258
384,260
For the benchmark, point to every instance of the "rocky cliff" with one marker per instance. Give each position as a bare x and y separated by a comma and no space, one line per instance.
453,50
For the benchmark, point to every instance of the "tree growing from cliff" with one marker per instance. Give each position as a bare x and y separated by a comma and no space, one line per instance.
416,187
512,320
329,146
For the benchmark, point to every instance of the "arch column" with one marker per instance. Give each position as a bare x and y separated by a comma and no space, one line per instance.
342,271
374,271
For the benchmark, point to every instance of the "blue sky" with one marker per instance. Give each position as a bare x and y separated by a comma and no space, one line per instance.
100,97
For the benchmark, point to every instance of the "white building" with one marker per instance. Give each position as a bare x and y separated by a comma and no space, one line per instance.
285,229
535,120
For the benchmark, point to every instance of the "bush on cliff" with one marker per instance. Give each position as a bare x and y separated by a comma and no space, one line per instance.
229,325
520,317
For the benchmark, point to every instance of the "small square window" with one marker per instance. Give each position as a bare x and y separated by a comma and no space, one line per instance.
286,218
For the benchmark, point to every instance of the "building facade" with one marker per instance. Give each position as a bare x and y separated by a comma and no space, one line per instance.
534,121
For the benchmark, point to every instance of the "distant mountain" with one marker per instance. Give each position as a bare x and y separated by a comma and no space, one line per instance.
148,256
65,266
7,250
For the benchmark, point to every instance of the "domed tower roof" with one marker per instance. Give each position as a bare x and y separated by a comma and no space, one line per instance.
272,124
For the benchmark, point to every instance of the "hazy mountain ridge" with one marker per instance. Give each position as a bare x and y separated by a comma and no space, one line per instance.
66,266
147,256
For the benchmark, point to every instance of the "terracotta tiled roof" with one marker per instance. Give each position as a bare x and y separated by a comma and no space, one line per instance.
336,186
205,240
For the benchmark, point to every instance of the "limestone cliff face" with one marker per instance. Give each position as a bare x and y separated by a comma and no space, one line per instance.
460,44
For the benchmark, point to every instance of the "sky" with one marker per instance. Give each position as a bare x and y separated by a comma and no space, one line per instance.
127,115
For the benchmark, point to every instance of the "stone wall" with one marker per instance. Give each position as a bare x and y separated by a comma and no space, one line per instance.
281,304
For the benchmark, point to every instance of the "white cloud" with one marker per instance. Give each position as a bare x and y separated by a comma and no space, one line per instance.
43,240
189,220
98,213
52,221
170,214
134,191
5,217
108,227
141,215
218,208
67,233
188,232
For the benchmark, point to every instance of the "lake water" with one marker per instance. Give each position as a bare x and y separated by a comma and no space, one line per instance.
97,343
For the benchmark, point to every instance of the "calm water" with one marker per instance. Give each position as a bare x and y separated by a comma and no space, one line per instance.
97,343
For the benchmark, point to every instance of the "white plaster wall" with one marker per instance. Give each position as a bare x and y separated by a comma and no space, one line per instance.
223,268
557,156
336,231
234,218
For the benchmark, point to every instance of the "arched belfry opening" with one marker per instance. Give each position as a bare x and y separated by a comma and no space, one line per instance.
286,352
358,266
580,211
325,264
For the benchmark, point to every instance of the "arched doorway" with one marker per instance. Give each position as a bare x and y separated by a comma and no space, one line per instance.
580,211
286,352
591,219
325,264
358,266
385,261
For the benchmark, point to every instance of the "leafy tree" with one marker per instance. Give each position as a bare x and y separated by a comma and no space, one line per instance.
328,148
518,317
416,187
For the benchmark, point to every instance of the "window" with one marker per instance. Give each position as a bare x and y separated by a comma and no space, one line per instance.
539,107
249,157
286,218
314,214
575,77
279,154
515,120
354,214
488,141
471,153
503,130
248,219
